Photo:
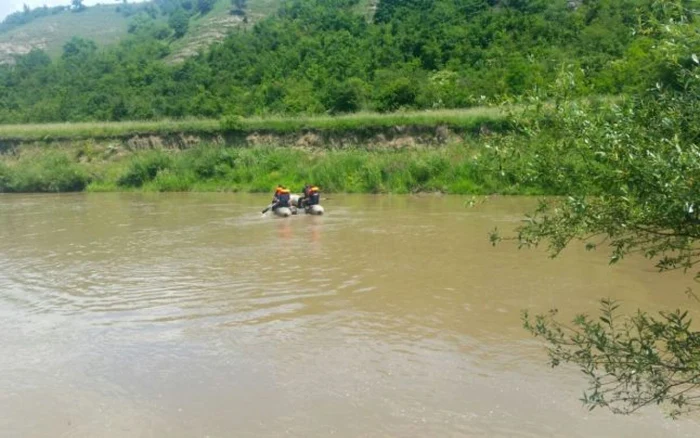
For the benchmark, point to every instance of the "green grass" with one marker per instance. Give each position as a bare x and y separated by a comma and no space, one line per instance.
463,118
461,168
467,119
260,169
98,130
47,172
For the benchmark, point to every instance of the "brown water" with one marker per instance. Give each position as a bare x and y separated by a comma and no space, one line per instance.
192,316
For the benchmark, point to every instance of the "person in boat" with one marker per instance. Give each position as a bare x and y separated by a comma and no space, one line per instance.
312,196
274,196
281,198
304,193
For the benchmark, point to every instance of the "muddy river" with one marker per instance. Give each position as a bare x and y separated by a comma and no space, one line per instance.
190,315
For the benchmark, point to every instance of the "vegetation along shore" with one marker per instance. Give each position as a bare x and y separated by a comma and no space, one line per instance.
598,101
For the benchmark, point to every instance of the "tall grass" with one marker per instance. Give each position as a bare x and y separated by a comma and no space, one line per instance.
97,130
49,172
469,119
460,169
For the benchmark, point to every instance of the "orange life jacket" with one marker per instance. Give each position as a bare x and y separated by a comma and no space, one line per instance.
282,199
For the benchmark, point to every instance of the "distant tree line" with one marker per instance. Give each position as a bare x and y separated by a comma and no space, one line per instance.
322,56
26,15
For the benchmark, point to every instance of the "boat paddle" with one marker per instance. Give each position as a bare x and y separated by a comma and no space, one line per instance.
266,209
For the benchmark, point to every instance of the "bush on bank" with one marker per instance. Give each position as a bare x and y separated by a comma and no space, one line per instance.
504,165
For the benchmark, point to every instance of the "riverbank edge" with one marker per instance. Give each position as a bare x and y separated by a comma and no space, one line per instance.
471,166
396,137
371,129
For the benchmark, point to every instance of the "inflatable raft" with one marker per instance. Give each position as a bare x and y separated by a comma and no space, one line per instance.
282,212
316,210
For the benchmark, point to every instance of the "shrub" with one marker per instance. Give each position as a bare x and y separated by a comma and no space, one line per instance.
50,172
144,168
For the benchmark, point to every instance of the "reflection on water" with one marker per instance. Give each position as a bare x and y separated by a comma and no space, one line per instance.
191,315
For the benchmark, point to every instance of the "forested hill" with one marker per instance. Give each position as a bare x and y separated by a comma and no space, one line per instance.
316,56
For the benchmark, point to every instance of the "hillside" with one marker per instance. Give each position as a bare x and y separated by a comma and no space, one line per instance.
107,24
101,24
324,57
213,27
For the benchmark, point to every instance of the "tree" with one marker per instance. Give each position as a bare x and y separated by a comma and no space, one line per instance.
35,60
179,22
78,49
239,7
644,160
396,93
187,5
345,97
425,54
77,5
204,6
387,10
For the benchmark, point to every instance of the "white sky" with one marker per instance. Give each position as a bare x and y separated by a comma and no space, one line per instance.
9,6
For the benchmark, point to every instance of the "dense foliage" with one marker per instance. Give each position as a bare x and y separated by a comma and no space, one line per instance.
643,154
317,56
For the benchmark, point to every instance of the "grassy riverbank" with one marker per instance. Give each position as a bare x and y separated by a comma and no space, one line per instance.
464,120
460,168
78,157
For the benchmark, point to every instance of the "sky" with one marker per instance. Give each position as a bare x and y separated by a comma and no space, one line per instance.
9,6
